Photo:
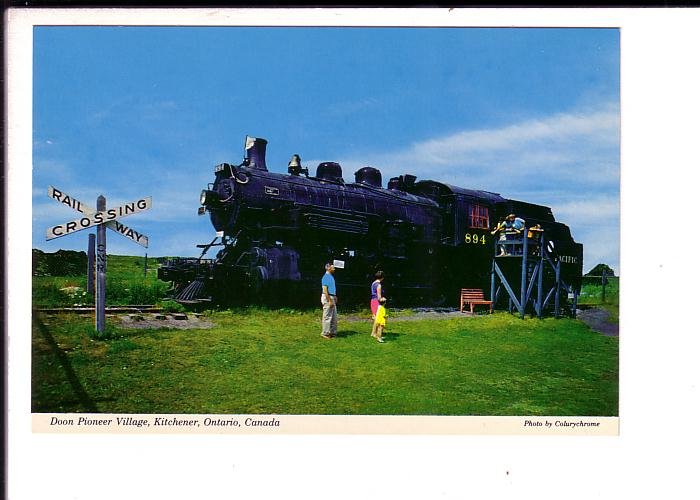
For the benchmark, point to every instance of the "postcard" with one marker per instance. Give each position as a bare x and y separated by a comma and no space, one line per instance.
312,228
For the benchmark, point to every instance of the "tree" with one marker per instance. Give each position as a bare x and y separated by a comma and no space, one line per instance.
598,270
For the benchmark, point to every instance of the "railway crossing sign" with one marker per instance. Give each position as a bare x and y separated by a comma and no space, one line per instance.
102,218
93,218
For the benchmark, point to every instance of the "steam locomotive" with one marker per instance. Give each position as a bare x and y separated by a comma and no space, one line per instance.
275,232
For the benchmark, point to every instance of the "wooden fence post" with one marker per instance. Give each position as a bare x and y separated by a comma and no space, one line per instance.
604,280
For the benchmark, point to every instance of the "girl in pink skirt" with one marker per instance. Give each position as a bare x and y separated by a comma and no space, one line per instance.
376,290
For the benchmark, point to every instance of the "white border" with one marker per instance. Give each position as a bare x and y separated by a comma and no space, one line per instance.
659,382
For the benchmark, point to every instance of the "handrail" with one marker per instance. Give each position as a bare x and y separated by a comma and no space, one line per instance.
513,244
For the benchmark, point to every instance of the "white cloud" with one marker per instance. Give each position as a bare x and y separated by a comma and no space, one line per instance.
111,110
175,195
590,211
544,154
183,242
600,245
568,161
595,222
352,107
602,126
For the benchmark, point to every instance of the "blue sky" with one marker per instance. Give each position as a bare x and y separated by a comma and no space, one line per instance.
533,114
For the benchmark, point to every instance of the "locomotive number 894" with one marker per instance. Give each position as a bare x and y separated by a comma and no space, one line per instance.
275,232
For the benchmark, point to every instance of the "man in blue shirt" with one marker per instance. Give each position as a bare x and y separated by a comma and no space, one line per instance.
329,300
515,223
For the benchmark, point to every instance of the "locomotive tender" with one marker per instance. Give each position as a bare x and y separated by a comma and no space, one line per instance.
275,232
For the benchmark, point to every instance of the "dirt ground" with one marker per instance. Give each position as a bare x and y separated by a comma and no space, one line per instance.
163,320
597,319
417,314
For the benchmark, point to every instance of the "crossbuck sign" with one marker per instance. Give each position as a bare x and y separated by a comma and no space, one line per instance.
102,218
93,218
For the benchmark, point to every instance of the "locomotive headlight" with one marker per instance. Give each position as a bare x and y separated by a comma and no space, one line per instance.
209,198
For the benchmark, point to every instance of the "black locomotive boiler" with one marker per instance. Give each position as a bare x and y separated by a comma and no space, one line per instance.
276,231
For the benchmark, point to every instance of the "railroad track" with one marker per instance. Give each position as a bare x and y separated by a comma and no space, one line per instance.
108,310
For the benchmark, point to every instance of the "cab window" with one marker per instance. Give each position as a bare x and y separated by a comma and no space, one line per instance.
478,217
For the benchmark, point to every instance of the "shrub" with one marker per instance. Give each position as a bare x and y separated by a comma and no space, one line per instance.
110,332
49,294
122,292
171,306
59,263
593,293
125,282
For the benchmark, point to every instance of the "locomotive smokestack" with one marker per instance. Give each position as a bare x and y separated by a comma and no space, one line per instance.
255,152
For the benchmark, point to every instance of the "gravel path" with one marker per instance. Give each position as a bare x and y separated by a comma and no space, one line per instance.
418,314
179,321
597,319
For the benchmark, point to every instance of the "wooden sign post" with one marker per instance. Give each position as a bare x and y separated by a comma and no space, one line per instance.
102,218
100,269
91,265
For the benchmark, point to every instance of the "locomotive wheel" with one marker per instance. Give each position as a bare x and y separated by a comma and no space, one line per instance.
258,278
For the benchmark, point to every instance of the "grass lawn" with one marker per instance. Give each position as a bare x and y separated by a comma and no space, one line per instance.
125,284
275,362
